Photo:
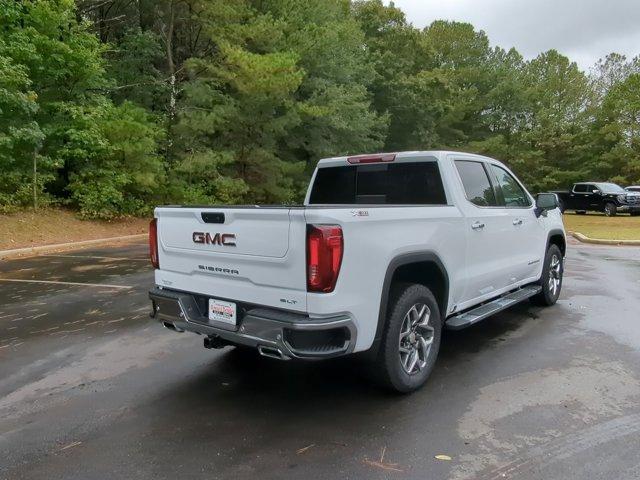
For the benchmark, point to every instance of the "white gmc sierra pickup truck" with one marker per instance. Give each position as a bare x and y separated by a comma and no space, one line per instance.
386,251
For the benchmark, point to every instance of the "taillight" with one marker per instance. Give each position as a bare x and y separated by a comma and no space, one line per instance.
324,256
153,243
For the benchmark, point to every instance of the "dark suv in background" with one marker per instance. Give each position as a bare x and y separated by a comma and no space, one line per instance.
599,197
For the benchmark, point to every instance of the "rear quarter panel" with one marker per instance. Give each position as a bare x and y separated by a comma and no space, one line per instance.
373,237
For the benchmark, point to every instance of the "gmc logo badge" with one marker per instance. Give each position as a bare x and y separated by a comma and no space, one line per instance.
224,239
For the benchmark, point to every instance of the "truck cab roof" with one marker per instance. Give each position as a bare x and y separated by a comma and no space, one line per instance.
408,156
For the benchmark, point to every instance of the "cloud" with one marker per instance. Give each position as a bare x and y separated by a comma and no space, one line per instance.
584,30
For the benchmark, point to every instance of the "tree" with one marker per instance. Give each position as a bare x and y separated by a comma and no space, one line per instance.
134,66
617,133
282,86
20,136
112,105
610,71
124,175
61,64
58,127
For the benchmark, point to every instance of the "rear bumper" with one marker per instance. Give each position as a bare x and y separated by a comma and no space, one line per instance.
293,335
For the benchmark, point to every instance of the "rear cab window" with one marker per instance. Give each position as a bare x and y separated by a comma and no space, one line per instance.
403,183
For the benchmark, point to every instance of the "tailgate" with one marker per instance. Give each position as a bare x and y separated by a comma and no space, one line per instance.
248,254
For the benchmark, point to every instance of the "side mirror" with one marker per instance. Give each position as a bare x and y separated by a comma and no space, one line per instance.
597,192
544,202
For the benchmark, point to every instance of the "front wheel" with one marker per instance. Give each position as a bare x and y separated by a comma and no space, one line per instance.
411,339
610,209
551,279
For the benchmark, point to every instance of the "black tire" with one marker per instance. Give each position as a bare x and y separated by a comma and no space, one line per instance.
552,274
391,364
610,209
581,212
634,214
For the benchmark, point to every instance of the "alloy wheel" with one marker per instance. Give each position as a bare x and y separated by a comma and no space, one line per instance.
555,275
416,338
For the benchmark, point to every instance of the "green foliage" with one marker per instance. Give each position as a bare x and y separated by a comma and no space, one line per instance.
620,131
53,110
126,174
134,65
59,62
20,135
223,101
284,87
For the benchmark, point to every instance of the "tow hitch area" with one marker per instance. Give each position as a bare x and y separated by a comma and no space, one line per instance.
214,341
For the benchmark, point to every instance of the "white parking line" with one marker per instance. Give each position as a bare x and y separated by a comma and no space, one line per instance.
15,280
99,257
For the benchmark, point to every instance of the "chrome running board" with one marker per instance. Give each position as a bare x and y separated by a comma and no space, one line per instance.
465,319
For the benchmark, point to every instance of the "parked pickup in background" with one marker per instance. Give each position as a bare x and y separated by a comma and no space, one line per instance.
386,250
599,197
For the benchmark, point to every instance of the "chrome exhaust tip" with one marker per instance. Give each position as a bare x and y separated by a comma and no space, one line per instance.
272,352
172,327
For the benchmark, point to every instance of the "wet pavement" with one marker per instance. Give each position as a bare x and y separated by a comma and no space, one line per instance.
91,388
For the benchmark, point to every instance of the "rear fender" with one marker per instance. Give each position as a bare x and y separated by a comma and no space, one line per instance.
402,260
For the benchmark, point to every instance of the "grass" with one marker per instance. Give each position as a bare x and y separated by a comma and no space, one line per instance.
597,225
50,226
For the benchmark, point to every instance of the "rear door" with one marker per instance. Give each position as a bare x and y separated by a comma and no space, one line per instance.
252,254
489,264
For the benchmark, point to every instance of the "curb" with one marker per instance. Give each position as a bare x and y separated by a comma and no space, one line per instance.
601,241
22,252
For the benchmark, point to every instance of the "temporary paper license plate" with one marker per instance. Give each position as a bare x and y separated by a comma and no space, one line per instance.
220,311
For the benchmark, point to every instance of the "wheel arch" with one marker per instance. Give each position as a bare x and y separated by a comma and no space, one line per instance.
557,237
425,268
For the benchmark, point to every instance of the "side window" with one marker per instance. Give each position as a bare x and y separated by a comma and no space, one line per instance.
513,194
591,188
580,188
476,183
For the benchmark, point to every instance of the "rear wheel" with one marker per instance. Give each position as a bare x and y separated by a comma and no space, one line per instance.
551,279
411,339
610,209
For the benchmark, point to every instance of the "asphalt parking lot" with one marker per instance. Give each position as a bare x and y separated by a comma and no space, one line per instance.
91,388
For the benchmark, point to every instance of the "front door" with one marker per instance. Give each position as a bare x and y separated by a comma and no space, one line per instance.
527,231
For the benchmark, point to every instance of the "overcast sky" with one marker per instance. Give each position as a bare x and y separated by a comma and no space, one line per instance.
583,30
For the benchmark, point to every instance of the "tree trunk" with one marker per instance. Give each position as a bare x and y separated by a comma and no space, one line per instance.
170,63
35,180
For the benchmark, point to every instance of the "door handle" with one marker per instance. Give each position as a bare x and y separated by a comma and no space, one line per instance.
477,225
517,221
